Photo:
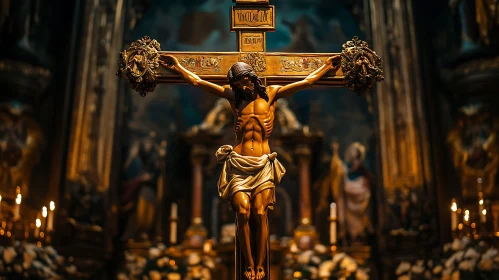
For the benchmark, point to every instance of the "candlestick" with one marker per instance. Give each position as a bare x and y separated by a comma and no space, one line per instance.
173,224
50,219
17,208
332,225
38,224
454,215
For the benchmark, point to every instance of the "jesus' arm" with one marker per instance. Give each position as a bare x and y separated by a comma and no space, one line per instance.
330,63
172,63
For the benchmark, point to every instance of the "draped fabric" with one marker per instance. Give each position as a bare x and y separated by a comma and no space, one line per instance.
248,174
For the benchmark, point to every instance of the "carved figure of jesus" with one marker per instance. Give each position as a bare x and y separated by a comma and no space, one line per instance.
250,170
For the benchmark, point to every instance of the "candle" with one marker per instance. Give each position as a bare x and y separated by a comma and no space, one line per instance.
173,213
50,219
173,224
0,205
44,215
17,208
454,215
332,229
38,225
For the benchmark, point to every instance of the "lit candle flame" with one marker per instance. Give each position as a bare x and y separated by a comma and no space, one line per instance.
0,198
466,212
18,199
44,212
52,206
480,201
38,223
484,212
454,207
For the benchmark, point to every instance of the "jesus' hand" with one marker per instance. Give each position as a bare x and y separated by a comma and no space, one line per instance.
169,61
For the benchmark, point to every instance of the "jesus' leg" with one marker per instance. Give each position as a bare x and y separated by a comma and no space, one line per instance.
259,211
241,205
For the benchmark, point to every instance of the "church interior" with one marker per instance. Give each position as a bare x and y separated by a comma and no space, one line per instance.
100,182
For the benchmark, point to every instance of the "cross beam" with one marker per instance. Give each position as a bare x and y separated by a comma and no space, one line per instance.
251,19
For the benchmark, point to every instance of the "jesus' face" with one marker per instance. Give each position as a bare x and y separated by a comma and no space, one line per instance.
245,85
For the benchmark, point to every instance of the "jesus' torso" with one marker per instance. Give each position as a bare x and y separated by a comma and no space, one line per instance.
254,122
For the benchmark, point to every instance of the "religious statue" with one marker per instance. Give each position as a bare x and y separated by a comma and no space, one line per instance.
142,173
250,170
21,141
473,143
350,184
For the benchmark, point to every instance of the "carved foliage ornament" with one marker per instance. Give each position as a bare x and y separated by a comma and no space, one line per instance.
139,65
361,66
255,60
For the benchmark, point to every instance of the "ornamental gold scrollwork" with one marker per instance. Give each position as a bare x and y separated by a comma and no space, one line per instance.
139,65
361,66
200,63
255,60
300,64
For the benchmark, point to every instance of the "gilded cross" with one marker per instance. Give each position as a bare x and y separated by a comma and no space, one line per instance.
251,19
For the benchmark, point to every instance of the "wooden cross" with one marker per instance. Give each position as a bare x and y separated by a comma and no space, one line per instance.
250,19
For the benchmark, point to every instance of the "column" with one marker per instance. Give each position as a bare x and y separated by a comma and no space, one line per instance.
304,156
196,233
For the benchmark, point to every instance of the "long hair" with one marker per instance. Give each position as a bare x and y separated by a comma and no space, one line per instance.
240,70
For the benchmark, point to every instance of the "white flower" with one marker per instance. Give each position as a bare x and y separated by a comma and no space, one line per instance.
71,269
490,253
9,255
316,260
485,264
467,265
162,261
314,272
155,275
337,258
321,249
349,264
193,259
173,276
304,258
403,268
471,254
437,269
29,256
154,253
325,269
457,257
417,269
361,275
458,245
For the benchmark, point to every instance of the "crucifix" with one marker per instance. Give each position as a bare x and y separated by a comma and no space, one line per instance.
256,79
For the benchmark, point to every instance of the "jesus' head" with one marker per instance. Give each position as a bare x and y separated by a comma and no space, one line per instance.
245,83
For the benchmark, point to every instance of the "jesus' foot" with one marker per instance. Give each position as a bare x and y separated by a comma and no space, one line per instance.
250,273
260,273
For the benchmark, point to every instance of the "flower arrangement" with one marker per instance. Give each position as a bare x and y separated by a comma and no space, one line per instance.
28,261
342,266
164,264
317,264
461,259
